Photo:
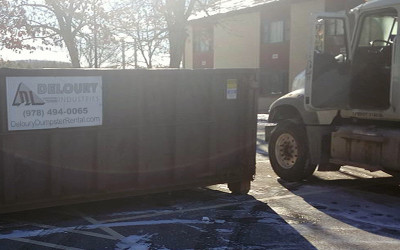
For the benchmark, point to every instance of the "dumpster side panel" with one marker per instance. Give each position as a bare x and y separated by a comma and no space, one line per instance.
25,167
157,131
118,143
192,145
117,158
161,130
229,123
74,156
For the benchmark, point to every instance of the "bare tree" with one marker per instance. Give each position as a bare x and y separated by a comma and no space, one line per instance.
97,54
13,25
176,14
96,44
140,28
75,25
59,22
151,36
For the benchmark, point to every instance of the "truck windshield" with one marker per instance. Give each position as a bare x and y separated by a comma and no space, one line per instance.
378,30
372,62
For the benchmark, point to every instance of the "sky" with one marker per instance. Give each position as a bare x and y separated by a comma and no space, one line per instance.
59,54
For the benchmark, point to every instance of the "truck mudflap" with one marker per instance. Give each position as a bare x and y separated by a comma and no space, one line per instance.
367,147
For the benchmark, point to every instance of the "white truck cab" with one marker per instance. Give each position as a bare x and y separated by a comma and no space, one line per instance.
349,110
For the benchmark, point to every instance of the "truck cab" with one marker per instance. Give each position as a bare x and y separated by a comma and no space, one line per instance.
349,110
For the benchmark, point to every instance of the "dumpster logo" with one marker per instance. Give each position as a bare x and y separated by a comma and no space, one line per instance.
27,96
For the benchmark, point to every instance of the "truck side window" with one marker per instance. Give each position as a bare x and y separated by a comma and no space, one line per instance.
330,45
371,70
329,69
330,37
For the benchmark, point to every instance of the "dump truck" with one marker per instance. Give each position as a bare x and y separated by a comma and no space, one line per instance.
348,112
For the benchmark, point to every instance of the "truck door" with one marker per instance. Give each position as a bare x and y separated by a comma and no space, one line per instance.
328,69
338,79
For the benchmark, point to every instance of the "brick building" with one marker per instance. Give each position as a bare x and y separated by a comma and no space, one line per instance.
273,36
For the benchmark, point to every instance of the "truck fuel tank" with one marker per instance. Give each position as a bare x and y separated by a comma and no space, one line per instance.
368,147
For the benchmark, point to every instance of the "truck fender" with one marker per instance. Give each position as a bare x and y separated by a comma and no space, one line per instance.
291,106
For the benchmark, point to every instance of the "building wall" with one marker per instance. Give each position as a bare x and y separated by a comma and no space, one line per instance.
203,45
300,34
275,50
275,56
237,41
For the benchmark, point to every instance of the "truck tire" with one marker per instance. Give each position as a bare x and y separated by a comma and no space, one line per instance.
241,187
288,152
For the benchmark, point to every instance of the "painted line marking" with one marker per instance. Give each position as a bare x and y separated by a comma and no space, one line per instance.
97,235
111,232
114,223
46,232
44,244
265,200
108,230
109,223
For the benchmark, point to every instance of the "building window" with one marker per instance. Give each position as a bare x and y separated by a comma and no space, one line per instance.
275,32
203,40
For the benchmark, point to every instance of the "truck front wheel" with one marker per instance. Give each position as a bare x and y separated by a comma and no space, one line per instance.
288,152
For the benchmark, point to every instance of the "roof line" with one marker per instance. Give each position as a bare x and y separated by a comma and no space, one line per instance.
245,10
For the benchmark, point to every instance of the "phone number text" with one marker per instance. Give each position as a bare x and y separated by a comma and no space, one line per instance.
55,111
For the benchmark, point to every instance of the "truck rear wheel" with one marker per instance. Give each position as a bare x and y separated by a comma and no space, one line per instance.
288,152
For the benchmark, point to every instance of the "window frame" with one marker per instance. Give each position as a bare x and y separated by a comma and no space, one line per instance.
267,29
199,36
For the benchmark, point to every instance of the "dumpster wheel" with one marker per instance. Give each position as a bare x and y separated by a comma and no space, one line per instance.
240,187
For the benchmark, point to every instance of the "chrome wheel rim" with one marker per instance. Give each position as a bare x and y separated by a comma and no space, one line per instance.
286,150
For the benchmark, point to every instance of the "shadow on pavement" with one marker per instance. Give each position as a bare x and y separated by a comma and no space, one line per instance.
368,204
199,218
